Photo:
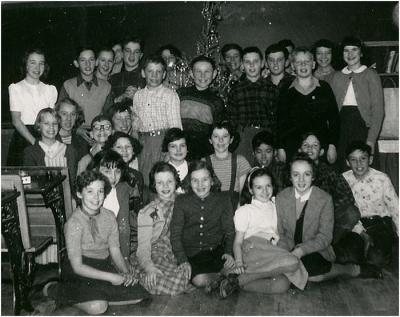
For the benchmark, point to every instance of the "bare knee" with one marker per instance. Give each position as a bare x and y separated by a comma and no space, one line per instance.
94,307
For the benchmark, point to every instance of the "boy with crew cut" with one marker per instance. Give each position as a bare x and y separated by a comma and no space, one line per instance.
158,109
104,62
200,107
129,80
91,93
249,102
118,57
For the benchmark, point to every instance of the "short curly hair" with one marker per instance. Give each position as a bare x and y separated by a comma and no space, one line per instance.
113,138
162,167
86,178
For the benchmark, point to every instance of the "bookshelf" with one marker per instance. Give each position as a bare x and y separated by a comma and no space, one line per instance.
385,55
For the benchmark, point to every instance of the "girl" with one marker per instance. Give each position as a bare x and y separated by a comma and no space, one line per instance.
231,169
95,274
305,225
101,130
71,117
359,95
202,229
111,165
27,98
47,151
175,144
323,51
154,261
262,265
129,148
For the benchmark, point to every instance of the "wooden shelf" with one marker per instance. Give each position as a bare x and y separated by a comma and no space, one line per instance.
381,43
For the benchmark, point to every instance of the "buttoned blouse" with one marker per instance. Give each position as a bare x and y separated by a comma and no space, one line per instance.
200,224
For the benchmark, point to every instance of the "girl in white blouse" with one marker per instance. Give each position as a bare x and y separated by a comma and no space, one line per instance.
27,98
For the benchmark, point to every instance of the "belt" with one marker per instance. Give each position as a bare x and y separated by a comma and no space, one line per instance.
152,133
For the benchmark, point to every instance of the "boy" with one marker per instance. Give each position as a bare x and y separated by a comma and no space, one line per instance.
232,54
158,109
276,58
377,201
118,58
263,151
129,80
249,103
200,107
121,116
289,45
104,63
307,105
91,93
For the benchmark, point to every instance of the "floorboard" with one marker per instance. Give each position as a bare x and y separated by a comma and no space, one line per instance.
339,297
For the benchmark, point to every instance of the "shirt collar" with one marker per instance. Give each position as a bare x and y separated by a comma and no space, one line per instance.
80,80
358,70
305,196
295,83
262,204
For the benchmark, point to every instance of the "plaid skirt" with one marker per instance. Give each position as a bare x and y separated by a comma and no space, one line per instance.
173,281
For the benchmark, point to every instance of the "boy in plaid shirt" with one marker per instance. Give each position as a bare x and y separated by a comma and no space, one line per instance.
158,109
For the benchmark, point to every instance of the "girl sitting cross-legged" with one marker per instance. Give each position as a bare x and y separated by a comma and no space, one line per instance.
262,265
95,274
154,261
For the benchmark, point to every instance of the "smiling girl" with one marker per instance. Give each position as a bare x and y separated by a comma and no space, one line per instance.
155,262
202,229
27,98
47,151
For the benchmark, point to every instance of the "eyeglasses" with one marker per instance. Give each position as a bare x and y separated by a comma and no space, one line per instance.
106,127
299,63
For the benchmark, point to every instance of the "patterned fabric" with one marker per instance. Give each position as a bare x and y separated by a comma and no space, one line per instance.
251,104
374,195
153,233
334,184
120,81
157,109
54,154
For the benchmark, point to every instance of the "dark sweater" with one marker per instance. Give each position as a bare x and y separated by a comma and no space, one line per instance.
200,224
298,114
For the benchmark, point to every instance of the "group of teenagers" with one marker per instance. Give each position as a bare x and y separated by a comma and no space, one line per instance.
173,190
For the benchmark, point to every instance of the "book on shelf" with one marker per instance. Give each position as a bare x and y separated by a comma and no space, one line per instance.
389,62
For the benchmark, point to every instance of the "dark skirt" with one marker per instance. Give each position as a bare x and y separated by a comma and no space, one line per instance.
352,128
75,289
208,261
17,145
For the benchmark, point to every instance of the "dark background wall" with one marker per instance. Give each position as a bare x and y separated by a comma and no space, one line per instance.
60,27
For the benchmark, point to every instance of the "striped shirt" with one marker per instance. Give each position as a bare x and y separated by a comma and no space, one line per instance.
157,109
223,168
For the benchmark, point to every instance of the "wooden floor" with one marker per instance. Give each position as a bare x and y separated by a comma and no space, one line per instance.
362,297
